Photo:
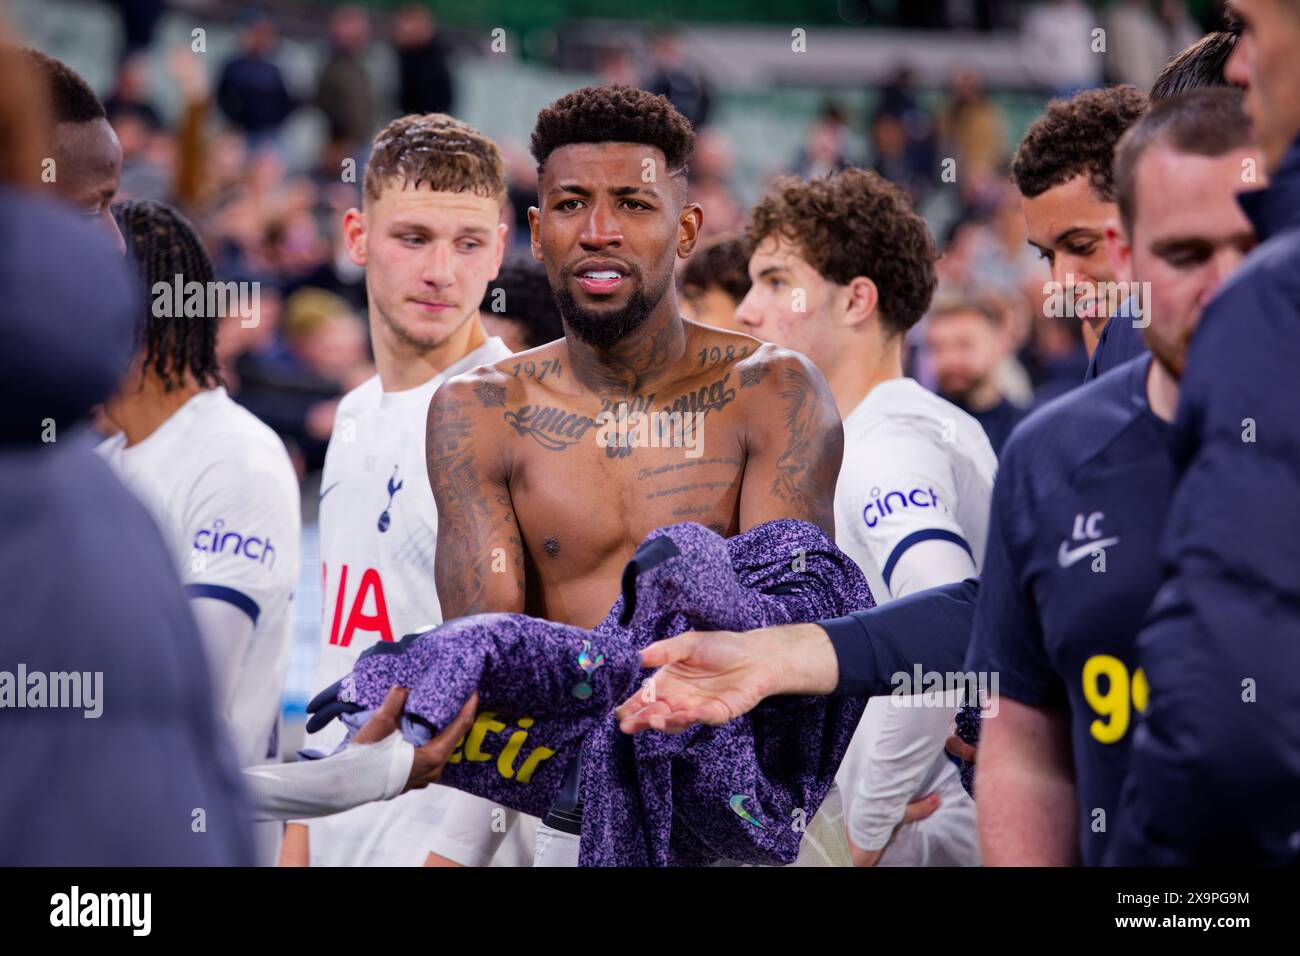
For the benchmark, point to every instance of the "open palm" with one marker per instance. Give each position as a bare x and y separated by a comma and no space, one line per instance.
704,677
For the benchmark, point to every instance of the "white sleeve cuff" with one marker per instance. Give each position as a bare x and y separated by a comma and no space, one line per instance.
316,788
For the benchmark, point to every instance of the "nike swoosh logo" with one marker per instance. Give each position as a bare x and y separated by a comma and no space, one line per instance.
738,804
1069,556
328,490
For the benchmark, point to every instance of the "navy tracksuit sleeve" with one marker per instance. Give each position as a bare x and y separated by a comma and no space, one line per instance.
930,628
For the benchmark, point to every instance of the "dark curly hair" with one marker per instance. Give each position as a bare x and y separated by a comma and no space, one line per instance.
854,223
163,245
718,262
526,295
438,151
71,98
614,114
1076,137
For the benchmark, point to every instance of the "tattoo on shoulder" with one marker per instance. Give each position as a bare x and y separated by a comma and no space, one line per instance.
753,375
710,357
537,370
490,394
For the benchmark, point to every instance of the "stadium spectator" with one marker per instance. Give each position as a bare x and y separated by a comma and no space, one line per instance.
674,76
425,81
825,148
710,176
967,344
1137,43
902,136
972,128
251,91
1058,40
344,91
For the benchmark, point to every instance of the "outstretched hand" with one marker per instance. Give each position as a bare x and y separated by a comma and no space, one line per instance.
704,677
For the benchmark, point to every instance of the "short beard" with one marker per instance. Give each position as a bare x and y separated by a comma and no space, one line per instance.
603,330
415,342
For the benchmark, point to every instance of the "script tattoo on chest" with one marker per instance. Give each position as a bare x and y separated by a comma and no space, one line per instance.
555,429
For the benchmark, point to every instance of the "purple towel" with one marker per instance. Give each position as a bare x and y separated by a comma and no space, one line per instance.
548,690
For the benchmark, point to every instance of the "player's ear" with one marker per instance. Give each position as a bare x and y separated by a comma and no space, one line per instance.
535,232
688,229
1119,251
863,300
354,235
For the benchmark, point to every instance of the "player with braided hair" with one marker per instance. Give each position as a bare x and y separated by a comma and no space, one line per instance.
218,481
164,245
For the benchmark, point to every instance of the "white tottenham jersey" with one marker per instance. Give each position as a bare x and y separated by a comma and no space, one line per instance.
916,469
220,485
378,529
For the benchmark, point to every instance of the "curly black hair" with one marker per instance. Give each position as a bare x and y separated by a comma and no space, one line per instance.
721,262
855,223
71,98
523,293
164,245
614,114
1076,137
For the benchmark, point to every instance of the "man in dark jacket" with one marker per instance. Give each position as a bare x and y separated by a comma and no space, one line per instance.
251,91
112,752
1214,772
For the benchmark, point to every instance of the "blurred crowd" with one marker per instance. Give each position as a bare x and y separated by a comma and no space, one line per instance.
989,345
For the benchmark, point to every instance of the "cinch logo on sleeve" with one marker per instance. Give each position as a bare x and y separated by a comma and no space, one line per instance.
881,508
217,540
